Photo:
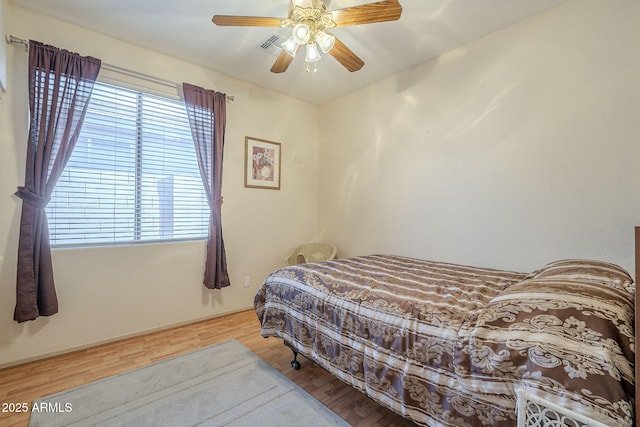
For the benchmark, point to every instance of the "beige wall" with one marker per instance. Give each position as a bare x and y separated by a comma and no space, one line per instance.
512,151
110,292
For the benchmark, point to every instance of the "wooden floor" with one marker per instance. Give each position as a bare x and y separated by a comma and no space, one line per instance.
30,381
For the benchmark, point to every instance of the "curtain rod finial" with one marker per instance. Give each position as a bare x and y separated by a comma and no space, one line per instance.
11,39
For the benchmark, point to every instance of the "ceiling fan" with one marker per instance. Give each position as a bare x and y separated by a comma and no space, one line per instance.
309,20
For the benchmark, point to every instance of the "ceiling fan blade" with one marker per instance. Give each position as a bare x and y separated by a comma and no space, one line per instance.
380,11
282,63
245,21
346,57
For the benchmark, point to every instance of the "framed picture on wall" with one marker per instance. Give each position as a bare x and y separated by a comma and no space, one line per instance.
261,163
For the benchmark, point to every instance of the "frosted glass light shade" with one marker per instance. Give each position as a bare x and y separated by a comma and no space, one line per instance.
313,54
290,46
301,33
325,41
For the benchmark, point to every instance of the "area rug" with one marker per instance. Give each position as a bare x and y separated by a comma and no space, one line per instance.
222,385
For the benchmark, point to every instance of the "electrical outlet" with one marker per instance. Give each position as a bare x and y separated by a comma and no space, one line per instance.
247,281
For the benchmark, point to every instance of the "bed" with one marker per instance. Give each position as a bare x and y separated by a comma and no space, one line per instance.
452,345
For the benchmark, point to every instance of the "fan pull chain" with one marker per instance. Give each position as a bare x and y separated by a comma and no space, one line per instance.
315,67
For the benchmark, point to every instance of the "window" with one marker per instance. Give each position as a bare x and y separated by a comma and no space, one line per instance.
133,175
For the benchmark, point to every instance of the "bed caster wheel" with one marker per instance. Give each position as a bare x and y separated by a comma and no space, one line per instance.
294,363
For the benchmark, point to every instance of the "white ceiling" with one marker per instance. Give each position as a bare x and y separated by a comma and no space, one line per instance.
183,29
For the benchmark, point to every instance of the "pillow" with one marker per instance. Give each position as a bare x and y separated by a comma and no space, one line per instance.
581,269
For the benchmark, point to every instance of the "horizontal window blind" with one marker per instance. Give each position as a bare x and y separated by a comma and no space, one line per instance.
133,175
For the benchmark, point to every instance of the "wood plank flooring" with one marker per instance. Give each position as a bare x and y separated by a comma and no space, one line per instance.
33,380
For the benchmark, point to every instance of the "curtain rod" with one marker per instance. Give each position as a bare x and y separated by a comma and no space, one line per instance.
11,39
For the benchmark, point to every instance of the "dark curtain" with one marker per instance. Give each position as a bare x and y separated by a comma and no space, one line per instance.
60,85
207,111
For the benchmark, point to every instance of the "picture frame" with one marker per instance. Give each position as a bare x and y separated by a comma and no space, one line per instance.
262,161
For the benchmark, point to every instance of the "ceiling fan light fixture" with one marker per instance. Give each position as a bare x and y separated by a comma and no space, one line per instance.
312,54
290,46
325,41
308,20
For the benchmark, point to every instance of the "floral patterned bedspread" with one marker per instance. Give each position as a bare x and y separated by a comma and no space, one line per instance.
445,344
